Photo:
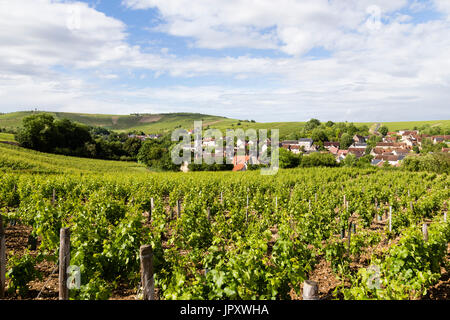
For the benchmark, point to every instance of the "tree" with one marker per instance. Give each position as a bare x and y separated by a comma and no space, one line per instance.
288,159
383,130
312,124
318,159
319,135
346,141
132,146
37,132
151,153
349,160
43,133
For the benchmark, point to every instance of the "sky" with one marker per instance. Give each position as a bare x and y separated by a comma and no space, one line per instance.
265,60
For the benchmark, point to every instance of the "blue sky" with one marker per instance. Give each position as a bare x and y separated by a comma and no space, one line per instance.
286,60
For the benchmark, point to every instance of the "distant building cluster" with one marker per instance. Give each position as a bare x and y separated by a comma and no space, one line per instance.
145,137
393,148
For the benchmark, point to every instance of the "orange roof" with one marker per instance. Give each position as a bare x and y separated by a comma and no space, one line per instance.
239,167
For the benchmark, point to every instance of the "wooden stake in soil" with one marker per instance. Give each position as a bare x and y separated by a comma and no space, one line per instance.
53,196
411,206
246,211
309,203
349,237
315,198
425,232
390,218
151,210
221,197
209,213
147,280
276,203
2,259
310,290
64,262
179,208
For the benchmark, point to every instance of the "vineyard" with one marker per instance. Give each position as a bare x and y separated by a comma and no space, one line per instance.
359,233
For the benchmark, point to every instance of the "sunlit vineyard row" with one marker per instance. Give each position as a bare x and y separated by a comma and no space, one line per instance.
218,247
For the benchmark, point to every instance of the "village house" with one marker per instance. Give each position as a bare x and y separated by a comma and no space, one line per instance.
393,160
359,139
307,144
341,154
357,152
439,139
329,144
333,150
359,145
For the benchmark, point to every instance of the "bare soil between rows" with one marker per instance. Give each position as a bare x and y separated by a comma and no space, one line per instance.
47,287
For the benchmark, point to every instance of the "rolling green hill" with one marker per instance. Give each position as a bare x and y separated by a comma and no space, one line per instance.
17,159
167,122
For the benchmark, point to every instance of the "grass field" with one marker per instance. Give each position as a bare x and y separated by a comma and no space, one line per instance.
394,126
163,123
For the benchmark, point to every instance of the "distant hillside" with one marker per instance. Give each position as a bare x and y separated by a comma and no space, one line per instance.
149,123
167,122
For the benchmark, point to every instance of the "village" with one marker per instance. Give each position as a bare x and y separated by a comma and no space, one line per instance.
391,150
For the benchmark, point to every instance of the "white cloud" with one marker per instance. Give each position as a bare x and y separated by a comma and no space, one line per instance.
64,58
42,33
294,26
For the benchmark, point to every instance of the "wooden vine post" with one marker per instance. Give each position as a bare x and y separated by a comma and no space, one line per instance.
151,210
390,218
2,259
246,210
64,262
209,213
276,204
310,290
179,208
147,280
425,232
349,237
53,197
221,197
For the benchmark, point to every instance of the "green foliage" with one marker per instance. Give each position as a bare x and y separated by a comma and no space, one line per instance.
21,271
42,132
345,141
383,130
436,162
288,159
312,124
318,159
408,269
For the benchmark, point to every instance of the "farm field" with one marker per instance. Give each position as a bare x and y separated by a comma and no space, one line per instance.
24,160
356,232
164,123
7,137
